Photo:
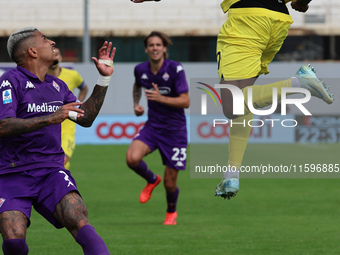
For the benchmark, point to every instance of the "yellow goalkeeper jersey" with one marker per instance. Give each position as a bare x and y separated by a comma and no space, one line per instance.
73,80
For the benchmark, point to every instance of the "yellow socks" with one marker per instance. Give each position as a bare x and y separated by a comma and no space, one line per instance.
238,139
263,94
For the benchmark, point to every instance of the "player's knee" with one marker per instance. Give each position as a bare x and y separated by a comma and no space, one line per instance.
15,247
132,160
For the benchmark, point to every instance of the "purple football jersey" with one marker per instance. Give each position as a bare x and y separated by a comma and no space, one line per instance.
24,96
171,82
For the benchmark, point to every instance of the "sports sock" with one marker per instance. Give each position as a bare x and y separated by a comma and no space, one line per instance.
238,139
14,247
232,172
91,242
295,82
263,94
171,199
143,170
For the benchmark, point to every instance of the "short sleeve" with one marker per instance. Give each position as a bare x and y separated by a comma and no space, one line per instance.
79,81
181,81
137,80
9,96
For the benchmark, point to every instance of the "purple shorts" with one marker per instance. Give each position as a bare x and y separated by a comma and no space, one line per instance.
43,188
172,146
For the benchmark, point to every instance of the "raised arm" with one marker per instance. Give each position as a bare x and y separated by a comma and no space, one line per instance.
94,103
84,115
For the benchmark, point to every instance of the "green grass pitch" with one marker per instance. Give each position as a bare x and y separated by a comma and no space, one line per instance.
268,216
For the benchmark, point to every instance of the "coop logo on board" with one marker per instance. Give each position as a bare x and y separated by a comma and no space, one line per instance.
118,130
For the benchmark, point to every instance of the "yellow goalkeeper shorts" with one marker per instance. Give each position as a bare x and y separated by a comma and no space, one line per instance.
249,40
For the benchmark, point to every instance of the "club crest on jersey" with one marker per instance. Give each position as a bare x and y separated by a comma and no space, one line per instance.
5,84
2,201
29,85
56,86
166,76
7,96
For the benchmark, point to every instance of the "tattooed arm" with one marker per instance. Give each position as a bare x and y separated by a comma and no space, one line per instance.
137,93
16,126
92,106
85,116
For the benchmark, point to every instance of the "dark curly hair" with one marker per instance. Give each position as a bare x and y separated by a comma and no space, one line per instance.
165,40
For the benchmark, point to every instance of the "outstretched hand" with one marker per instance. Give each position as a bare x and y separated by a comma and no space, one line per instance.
299,6
105,54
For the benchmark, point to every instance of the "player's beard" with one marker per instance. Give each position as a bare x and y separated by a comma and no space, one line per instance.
55,62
